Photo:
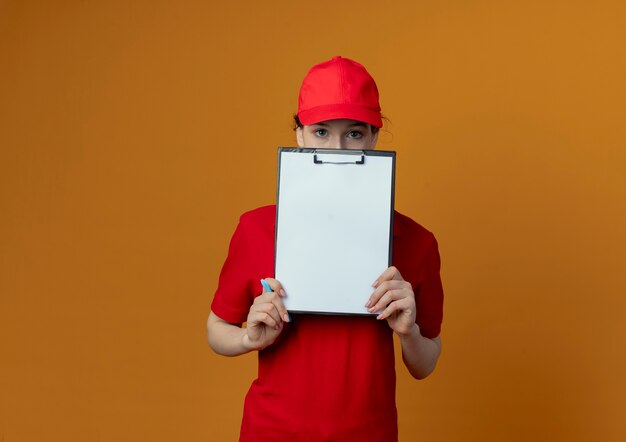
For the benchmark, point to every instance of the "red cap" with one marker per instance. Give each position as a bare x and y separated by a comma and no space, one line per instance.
339,88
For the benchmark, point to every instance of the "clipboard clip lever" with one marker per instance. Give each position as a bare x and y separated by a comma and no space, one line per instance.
319,158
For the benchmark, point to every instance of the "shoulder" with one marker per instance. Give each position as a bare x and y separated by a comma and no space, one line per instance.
409,229
262,218
260,214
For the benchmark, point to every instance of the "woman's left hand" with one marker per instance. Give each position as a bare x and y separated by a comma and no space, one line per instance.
394,296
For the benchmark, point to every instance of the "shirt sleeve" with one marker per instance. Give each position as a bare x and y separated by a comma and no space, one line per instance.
234,294
429,294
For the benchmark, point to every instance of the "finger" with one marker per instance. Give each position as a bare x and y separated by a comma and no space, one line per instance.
276,286
383,288
259,317
390,273
386,299
396,306
275,299
268,308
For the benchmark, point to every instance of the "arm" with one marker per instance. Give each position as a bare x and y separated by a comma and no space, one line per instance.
225,338
420,354
394,297
264,324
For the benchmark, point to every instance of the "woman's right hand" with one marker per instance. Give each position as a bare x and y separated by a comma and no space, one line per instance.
266,317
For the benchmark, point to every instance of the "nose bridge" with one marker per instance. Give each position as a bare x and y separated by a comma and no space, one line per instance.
341,142
335,141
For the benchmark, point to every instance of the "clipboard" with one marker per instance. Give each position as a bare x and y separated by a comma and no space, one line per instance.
334,227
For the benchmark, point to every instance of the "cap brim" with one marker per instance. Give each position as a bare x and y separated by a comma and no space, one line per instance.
340,111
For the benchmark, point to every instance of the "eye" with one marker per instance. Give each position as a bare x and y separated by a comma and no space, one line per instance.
355,134
321,132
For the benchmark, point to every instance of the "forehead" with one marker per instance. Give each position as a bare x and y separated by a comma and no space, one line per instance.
341,123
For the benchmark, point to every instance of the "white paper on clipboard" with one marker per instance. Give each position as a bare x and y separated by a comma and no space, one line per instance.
334,227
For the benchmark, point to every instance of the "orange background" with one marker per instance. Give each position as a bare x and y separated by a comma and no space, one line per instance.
133,134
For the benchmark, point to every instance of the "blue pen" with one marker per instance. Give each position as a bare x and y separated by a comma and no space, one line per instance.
267,288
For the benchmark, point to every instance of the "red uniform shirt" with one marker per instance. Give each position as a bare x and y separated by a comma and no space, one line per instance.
326,377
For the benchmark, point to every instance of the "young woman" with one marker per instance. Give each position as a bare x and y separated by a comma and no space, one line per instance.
324,377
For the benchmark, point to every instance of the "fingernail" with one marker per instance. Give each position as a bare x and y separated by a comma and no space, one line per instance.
286,317
282,292
368,303
375,283
379,316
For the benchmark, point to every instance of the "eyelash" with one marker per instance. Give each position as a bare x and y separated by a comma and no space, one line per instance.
351,134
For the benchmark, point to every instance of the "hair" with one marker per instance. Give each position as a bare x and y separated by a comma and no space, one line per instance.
298,124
